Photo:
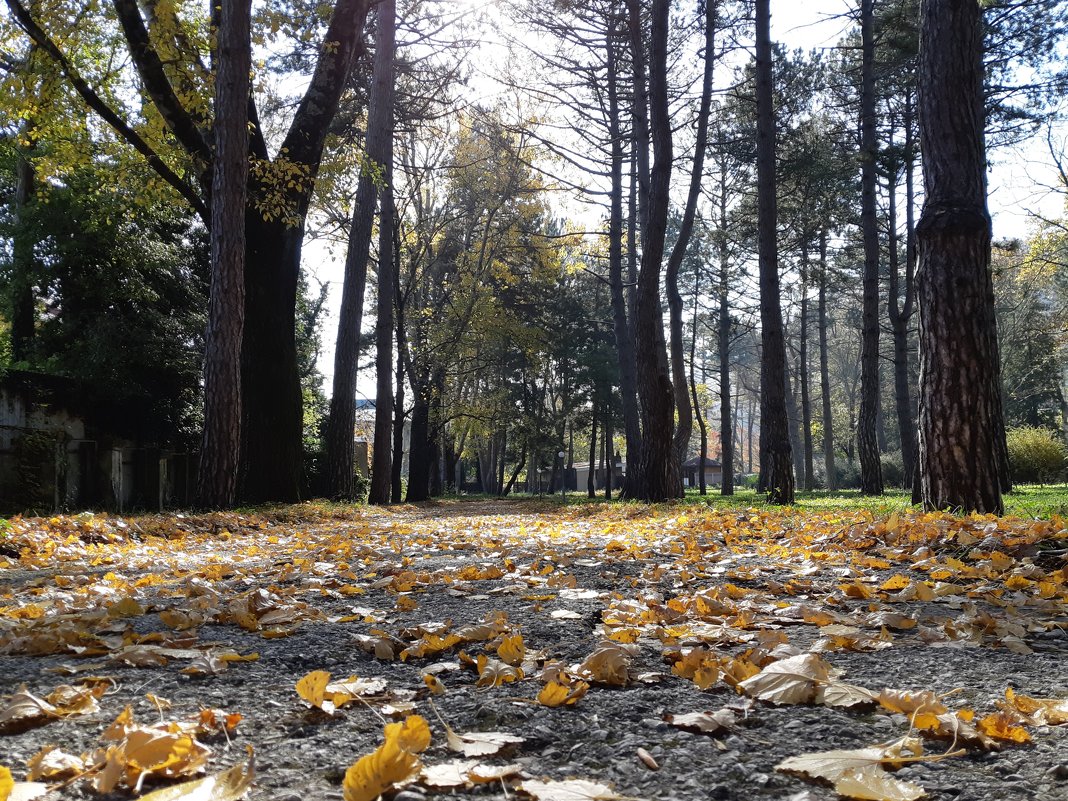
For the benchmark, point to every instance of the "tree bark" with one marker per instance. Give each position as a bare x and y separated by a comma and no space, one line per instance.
658,464
723,344
963,458
382,468
825,372
591,478
871,476
624,333
684,411
803,376
776,468
221,443
902,308
342,418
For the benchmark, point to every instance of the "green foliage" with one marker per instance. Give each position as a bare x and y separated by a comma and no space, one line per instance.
1036,456
121,289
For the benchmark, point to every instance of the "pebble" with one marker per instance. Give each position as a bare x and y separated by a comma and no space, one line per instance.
409,795
1058,772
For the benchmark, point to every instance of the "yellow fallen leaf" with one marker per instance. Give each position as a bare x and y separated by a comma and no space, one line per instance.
1002,726
393,762
127,607
6,783
608,664
512,650
434,684
312,688
52,763
1041,711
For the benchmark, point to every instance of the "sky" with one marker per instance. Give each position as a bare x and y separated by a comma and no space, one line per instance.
1016,179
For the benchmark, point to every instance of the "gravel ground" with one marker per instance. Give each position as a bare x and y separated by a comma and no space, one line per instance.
343,584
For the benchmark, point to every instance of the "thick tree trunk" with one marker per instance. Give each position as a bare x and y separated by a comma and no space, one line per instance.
420,459
658,465
622,329
776,468
723,345
221,444
963,458
871,476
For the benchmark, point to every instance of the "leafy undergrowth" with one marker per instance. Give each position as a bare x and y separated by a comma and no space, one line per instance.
496,649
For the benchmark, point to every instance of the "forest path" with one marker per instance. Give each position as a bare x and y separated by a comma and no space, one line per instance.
626,617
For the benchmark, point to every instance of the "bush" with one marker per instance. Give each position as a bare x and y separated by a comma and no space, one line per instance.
1036,456
893,469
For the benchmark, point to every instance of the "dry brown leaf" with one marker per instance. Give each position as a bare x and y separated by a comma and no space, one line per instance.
789,681
608,664
570,790
704,722
494,672
857,773
52,763
480,743
25,710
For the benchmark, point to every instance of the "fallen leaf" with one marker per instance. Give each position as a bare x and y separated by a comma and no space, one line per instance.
704,722
485,743
570,790
856,773
394,762
226,786
312,688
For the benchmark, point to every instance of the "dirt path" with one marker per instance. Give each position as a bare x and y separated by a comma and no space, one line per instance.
239,608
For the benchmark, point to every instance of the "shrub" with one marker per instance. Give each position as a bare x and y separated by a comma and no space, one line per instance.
893,469
1035,455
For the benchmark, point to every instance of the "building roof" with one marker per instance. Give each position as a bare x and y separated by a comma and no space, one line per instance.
695,463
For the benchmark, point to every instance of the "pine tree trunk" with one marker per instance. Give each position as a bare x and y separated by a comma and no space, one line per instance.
658,465
776,468
420,459
624,333
825,371
398,428
221,444
803,376
963,458
723,343
382,466
341,422
591,478
871,476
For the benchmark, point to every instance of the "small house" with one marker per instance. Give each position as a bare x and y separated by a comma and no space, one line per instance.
691,472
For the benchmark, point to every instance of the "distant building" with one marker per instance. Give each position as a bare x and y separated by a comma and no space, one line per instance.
691,472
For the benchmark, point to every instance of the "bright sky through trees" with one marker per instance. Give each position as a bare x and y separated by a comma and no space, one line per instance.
1017,179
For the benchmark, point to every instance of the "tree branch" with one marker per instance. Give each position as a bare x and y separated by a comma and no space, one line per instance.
109,115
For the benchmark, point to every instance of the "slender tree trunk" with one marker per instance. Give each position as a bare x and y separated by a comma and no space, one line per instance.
658,466
723,342
803,375
963,457
342,419
221,444
624,333
776,467
519,465
609,454
793,413
591,479
684,411
825,372
397,460
698,412
871,476
23,302
420,460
